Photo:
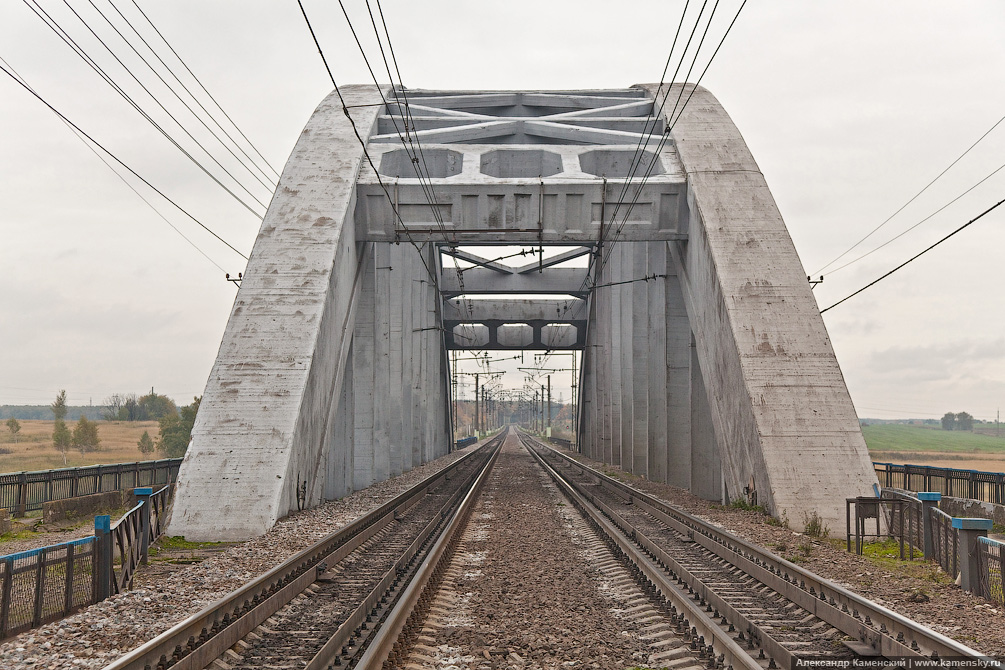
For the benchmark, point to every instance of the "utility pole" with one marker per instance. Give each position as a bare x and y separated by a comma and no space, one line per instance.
548,429
477,422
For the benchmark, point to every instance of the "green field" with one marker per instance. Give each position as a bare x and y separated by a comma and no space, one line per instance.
900,437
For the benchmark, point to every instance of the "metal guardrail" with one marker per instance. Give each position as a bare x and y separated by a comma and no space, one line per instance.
945,542
974,484
22,492
992,562
47,584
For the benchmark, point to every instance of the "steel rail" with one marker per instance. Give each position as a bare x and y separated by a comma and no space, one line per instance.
881,631
693,622
197,641
382,646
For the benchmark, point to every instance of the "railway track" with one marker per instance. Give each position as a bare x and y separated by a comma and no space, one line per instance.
735,603
321,608
365,596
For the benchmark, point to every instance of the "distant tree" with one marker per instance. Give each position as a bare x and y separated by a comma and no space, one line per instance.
114,404
145,445
155,407
14,426
59,406
176,430
964,421
948,421
61,438
85,436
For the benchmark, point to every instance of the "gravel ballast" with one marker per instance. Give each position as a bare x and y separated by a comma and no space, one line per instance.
101,633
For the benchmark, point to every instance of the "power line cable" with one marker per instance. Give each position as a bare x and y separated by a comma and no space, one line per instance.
53,25
156,99
120,162
913,198
205,90
905,232
366,154
247,160
918,255
90,148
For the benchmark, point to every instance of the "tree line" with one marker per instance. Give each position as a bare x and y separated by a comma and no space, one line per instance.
172,441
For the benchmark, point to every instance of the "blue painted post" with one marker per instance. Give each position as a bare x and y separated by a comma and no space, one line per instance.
102,557
929,499
970,566
143,495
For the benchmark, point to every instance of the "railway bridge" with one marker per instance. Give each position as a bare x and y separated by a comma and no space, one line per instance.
705,361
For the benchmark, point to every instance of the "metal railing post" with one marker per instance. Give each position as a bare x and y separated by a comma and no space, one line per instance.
970,564
102,557
929,499
22,495
143,495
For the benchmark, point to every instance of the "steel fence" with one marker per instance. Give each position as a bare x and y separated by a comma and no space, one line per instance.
892,515
22,492
974,484
992,562
131,536
47,584
945,542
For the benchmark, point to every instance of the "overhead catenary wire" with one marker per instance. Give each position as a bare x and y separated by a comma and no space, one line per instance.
366,154
205,90
672,122
912,199
153,97
410,139
120,162
649,130
246,162
125,181
46,18
916,256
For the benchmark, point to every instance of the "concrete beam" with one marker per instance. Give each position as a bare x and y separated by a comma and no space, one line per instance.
554,281
517,310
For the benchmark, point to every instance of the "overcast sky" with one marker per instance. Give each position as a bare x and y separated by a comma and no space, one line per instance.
850,108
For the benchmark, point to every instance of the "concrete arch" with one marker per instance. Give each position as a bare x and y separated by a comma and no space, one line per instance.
716,375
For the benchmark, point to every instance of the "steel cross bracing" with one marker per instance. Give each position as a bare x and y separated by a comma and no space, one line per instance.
549,184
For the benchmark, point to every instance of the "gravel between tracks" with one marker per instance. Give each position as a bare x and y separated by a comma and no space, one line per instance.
894,584
101,633
528,597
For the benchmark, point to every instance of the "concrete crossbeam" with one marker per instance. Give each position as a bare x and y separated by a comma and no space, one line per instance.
552,281
517,310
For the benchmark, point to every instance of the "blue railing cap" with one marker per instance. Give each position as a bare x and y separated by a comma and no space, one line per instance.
992,542
971,523
35,552
929,495
103,522
143,491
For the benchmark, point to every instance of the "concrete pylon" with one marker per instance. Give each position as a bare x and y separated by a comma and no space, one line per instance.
296,406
